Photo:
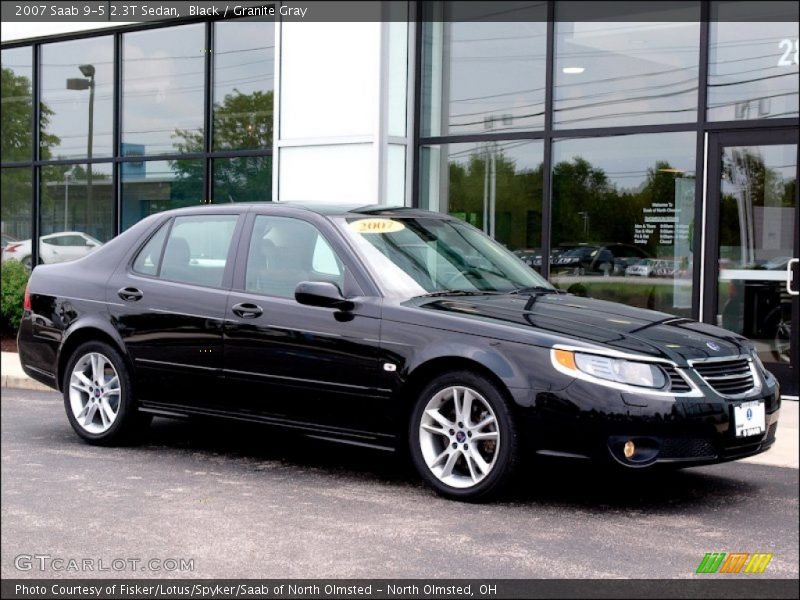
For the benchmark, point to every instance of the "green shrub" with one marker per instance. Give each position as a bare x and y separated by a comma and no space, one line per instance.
13,278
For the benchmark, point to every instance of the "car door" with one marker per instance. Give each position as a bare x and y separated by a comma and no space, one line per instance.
168,304
294,362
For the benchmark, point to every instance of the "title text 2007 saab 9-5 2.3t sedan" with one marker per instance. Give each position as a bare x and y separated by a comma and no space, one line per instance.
383,327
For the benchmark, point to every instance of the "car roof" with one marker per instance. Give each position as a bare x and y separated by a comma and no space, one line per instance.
321,208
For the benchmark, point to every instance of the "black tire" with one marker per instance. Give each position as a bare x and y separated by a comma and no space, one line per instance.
505,465
130,424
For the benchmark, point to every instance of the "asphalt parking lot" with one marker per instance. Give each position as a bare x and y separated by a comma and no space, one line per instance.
245,501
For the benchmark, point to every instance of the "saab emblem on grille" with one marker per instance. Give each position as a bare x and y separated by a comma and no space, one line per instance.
713,346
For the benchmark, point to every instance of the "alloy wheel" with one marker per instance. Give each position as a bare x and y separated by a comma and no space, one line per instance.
95,394
459,437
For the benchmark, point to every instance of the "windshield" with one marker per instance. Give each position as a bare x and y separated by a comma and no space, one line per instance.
416,256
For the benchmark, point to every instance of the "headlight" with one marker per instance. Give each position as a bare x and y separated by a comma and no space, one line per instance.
619,370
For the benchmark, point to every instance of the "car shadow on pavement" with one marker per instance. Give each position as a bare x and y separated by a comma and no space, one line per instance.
545,482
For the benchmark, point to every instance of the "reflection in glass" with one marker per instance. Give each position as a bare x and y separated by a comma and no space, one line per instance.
162,90
752,65
623,214
152,186
495,186
757,233
16,110
77,211
613,74
243,179
78,89
244,56
16,191
482,76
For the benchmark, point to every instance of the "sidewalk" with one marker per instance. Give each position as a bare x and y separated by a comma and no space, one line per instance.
14,377
783,454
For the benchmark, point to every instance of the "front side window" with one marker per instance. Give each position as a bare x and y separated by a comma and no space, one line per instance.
286,251
196,250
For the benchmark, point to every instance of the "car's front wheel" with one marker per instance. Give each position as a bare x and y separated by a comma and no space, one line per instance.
98,396
463,437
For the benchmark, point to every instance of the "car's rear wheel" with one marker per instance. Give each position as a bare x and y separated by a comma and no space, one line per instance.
463,437
98,396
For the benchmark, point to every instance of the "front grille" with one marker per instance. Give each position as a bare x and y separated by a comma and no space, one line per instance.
677,384
728,377
687,448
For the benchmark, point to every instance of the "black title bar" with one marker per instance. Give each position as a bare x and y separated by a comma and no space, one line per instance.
390,10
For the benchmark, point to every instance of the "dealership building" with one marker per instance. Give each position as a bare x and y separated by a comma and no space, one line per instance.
648,158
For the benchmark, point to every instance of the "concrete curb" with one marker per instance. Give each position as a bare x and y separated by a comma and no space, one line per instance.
24,383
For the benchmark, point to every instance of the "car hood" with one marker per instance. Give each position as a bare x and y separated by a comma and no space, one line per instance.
561,318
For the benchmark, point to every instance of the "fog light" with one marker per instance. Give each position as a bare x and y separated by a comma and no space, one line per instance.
629,449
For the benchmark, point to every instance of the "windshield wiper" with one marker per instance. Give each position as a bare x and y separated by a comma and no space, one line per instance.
536,289
458,293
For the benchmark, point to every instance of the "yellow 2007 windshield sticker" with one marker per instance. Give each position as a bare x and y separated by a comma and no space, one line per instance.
376,226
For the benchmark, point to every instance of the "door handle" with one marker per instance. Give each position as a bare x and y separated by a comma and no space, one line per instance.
247,310
790,276
130,294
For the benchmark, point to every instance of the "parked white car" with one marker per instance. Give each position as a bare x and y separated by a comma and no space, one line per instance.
53,248
641,268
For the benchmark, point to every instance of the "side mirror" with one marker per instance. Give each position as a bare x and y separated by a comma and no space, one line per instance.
323,294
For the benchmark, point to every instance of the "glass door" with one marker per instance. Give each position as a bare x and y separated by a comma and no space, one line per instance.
752,279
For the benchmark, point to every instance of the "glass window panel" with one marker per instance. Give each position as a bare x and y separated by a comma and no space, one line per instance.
398,74
480,75
495,186
16,191
197,249
752,65
77,210
623,217
284,252
625,73
77,98
757,237
244,74
148,261
152,186
395,194
243,179
162,90
16,112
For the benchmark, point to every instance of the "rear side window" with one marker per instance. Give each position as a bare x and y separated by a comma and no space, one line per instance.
149,257
196,250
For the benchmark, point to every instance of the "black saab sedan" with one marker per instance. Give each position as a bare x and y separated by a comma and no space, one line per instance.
385,328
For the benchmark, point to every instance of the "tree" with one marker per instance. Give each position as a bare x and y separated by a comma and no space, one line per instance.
518,194
241,122
16,137
582,195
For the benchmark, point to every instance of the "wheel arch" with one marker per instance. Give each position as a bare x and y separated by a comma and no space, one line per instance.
427,371
88,332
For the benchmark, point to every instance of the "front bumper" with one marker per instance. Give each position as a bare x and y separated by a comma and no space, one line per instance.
592,421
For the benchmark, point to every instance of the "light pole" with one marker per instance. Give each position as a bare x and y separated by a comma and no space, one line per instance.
67,177
78,83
